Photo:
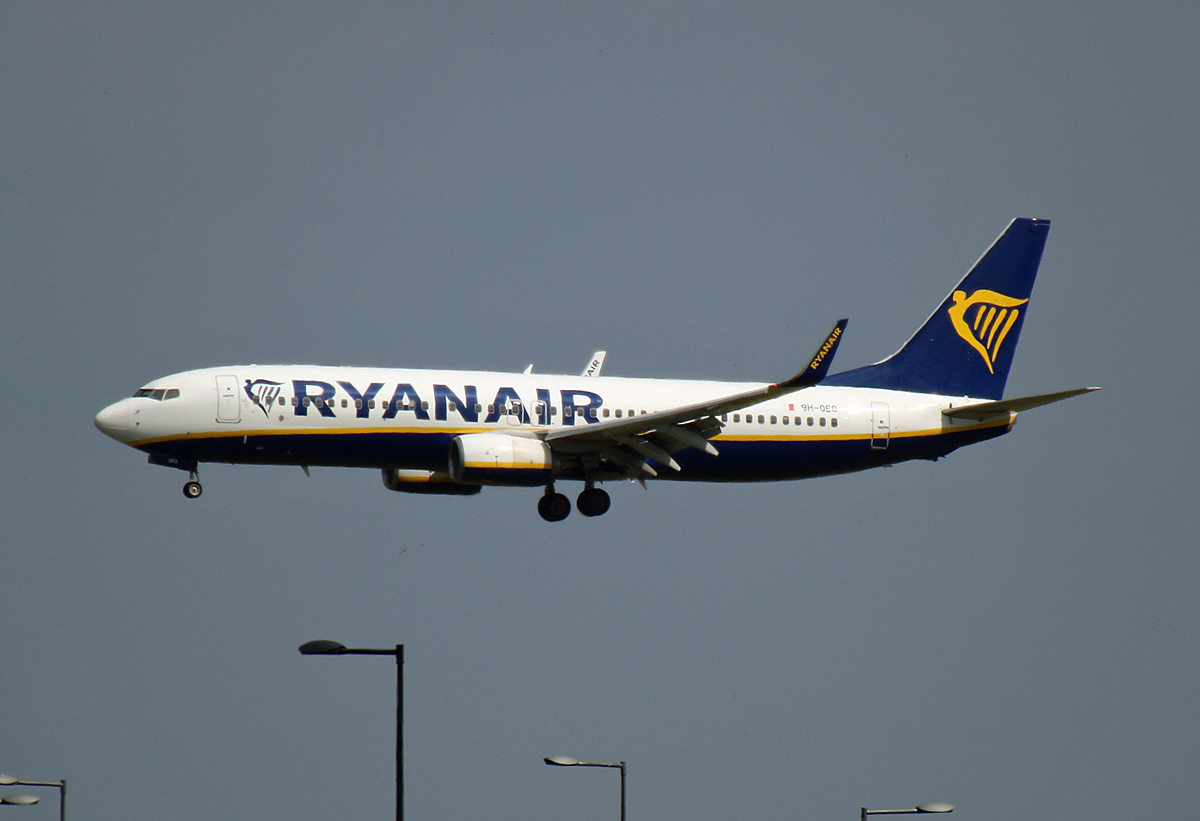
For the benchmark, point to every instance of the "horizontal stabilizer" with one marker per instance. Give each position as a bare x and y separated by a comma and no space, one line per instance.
987,410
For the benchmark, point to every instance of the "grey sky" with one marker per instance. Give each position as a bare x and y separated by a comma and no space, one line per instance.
701,189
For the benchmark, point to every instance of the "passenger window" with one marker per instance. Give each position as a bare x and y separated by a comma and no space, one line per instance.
371,404
810,421
833,422
772,420
606,413
737,417
760,419
786,419
724,417
822,421
425,405
618,414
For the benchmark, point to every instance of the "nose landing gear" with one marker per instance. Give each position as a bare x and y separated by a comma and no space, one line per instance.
192,488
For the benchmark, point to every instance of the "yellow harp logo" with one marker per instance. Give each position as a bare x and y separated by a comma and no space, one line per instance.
983,319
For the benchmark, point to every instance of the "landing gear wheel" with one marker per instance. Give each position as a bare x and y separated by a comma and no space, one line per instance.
192,490
554,507
593,502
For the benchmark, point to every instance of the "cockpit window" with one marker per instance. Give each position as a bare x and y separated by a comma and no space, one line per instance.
158,394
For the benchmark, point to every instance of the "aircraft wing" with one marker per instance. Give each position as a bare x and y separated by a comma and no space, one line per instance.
629,443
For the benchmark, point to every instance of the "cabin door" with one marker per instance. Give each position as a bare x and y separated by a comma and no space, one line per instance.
229,406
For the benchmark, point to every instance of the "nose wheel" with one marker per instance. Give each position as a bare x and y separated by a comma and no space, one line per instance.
192,488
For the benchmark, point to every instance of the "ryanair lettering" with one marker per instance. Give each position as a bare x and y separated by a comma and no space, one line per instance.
507,404
825,349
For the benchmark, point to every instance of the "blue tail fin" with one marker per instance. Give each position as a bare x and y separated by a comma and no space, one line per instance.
966,347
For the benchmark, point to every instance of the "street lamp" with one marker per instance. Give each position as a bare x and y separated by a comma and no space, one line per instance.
325,647
928,806
19,798
61,786
568,761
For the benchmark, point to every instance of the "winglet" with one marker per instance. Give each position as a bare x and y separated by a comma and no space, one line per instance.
596,363
822,359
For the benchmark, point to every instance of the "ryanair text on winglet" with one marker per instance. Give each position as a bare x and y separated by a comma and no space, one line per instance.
825,349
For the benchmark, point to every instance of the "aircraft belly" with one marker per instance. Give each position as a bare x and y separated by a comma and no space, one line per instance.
426,451
773,461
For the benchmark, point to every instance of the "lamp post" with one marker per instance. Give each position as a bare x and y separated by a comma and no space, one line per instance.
928,806
325,647
568,761
61,786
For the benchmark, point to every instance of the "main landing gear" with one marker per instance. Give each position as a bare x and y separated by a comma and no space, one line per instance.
192,488
554,506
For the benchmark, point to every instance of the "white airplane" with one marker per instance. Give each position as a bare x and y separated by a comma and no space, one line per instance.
452,432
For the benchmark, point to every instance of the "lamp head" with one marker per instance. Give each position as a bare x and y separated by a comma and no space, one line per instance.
322,647
19,798
561,760
935,806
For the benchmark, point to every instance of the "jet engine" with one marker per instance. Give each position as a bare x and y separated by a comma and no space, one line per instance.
425,481
500,459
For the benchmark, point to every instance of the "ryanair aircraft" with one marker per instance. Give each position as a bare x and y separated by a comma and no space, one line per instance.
453,432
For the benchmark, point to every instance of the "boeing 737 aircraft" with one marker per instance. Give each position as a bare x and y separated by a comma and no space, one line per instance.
452,432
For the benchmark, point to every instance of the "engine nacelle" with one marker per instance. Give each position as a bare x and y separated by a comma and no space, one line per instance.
500,459
425,481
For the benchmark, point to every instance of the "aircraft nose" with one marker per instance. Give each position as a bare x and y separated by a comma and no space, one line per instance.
114,420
